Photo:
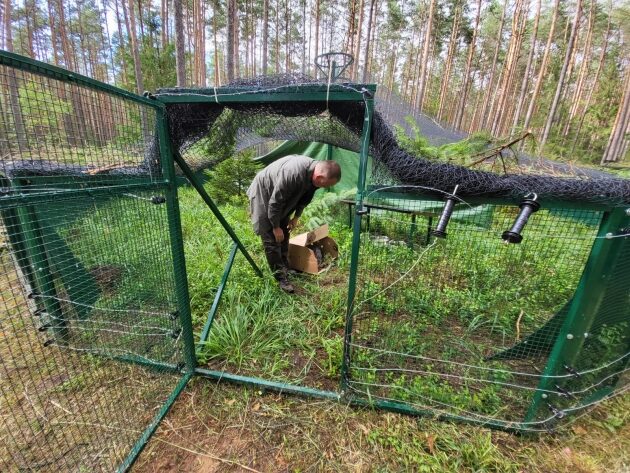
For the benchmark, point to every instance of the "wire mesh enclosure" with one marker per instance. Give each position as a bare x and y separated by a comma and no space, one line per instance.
465,325
497,299
91,336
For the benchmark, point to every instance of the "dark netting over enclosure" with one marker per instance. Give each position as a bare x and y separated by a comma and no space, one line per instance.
209,131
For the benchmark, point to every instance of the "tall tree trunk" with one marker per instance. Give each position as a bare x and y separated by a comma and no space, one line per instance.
265,36
164,30
528,67
618,140
14,100
425,58
231,19
509,67
589,97
357,46
130,22
277,39
366,60
563,73
317,25
490,89
121,39
543,68
448,63
463,95
586,59
53,33
217,73
287,38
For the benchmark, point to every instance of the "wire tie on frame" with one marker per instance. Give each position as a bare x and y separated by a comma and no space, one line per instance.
48,342
175,333
44,327
158,199
563,392
173,315
572,371
557,413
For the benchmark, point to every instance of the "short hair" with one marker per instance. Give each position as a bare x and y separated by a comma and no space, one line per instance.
330,170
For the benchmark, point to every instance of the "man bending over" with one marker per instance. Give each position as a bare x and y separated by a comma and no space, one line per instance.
277,196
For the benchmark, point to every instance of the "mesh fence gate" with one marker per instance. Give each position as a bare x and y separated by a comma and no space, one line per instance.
473,328
89,261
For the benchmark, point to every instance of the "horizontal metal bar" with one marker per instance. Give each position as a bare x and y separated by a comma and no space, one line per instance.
12,197
266,384
48,70
420,195
289,93
398,407
150,430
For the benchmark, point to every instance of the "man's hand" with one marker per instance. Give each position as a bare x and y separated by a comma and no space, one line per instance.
293,223
279,234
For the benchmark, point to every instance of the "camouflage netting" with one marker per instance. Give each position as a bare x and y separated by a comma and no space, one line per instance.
201,130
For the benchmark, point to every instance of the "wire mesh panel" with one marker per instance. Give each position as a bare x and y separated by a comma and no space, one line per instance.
90,332
465,325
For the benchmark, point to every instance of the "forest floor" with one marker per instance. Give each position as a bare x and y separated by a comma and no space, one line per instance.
218,427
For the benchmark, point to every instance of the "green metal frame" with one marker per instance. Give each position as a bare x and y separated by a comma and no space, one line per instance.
356,237
580,316
584,307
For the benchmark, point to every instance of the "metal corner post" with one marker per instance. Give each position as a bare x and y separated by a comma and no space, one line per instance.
356,237
584,308
177,243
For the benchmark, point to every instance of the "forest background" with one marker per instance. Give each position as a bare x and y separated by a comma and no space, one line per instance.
558,68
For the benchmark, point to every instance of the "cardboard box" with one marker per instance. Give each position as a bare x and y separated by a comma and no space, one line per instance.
302,250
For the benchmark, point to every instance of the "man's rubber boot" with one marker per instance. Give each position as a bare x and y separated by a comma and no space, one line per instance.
286,286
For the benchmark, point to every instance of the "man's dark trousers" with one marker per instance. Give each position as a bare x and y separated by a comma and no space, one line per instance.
277,253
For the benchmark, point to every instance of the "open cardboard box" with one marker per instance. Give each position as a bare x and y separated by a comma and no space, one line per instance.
302,258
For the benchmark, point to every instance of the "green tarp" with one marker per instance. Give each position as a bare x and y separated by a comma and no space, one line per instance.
349,162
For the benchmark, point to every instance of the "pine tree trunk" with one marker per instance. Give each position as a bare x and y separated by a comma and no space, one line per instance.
287,38
164,32
277,42
589,97
317,21
217,66
357,46
563,73
463,95
618,140
509,69
543,68
14,102
528,67
230,39
586,59
424,58
265,36
121,44
366,60
448,64
490,89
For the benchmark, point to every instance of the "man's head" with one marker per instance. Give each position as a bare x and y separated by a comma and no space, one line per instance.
326,174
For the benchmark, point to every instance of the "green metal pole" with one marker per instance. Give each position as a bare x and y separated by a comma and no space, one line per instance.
217,298
356,237
583,311
215,210
177,243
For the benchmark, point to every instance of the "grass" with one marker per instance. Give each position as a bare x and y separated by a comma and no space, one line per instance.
470,297
217,427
